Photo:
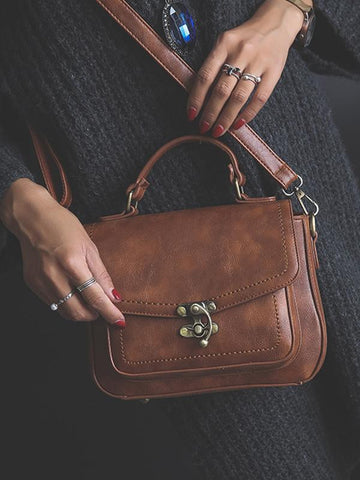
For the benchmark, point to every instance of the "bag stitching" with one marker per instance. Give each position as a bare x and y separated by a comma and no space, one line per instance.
253,350
140,302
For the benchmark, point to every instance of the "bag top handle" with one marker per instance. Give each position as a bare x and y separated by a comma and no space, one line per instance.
144,35
136,190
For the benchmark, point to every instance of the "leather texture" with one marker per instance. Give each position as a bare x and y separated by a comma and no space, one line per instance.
276,339
135,25
254,259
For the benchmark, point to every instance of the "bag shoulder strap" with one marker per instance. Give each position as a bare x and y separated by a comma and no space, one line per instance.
47,158
145,36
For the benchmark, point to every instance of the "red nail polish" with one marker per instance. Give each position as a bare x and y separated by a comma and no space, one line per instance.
116,294
240,123
204,127
120,323
191,113
218,130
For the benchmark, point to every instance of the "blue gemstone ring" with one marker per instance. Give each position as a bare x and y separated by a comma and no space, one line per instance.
230,70
178,25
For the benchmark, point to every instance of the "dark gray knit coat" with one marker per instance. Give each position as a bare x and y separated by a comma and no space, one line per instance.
106,106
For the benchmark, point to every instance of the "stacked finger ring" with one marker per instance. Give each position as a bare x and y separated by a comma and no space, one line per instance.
231,70
236,72
249,76
86,284
55,305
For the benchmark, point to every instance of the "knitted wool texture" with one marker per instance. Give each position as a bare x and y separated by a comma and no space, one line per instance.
106,106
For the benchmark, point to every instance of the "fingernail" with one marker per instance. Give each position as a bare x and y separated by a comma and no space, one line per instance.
120,323
218,130
191,113
240,123
116,294
204,127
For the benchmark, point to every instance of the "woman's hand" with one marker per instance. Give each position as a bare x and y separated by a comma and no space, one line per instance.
58,254
259,46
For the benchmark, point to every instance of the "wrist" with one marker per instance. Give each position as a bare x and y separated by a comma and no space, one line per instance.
305,35
21,199
297,7
279,14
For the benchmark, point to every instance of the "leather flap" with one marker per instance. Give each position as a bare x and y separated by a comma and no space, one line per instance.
229,253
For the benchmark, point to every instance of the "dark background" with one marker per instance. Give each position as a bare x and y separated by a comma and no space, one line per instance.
344,97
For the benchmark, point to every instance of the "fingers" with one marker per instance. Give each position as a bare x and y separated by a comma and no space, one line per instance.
101,275
227,102
75,308
52,286
236,102
84,307
261,96
220,94
204,79
55,281
100,302
78,272
224,112
231,116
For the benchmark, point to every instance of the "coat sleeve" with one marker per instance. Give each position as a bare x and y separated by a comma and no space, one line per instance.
335,49
14,161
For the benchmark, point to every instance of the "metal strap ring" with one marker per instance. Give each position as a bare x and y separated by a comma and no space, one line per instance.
239,189
86,284
293,188
129,202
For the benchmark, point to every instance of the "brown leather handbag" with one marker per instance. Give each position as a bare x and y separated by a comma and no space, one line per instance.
216,298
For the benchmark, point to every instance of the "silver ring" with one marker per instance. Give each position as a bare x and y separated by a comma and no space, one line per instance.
231,70
249,76
54,306
86,284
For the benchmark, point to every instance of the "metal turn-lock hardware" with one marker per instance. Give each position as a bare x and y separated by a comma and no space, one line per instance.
198,329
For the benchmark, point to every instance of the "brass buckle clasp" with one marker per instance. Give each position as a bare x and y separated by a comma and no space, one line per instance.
198,329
